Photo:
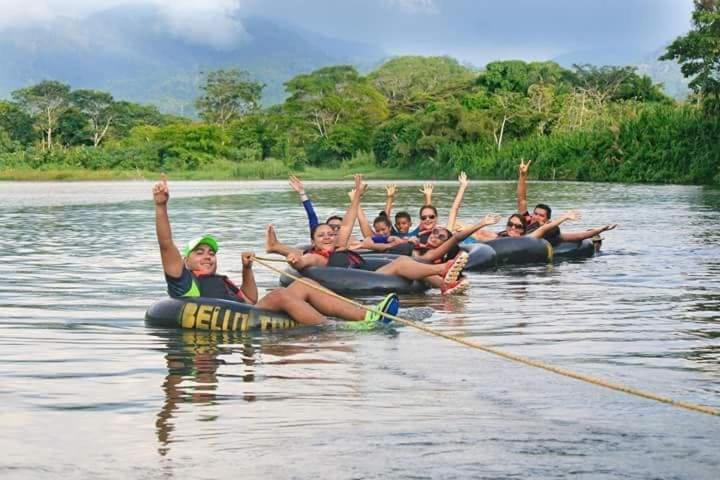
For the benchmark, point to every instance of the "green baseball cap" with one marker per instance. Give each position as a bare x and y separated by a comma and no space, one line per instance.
208,240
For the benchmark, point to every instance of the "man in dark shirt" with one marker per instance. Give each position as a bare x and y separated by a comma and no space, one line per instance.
542,213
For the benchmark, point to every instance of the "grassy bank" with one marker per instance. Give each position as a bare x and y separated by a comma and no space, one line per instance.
265,170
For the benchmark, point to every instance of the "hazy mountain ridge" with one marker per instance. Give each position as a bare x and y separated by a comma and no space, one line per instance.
132,55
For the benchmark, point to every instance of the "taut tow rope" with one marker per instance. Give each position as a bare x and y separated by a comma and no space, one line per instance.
507,355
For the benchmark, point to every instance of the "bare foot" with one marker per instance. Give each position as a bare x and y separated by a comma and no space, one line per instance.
270,239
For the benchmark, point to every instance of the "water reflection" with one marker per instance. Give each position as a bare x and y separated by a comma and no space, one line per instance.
194,361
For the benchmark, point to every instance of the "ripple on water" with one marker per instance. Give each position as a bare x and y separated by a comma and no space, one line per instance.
89,392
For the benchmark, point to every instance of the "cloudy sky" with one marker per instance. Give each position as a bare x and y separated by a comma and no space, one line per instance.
472,30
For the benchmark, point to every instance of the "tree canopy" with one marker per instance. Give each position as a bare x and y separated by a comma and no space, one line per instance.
698,53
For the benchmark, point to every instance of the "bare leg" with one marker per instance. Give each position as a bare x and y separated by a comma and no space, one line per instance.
273,245
436,281
408,268
308,305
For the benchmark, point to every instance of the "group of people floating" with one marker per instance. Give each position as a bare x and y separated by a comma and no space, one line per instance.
431,252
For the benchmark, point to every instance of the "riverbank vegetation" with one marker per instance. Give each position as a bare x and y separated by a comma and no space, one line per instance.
413,117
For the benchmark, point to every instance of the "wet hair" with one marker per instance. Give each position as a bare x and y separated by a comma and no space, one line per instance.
425,207
402,214
519,217
546,208
314,229
382,218
334,217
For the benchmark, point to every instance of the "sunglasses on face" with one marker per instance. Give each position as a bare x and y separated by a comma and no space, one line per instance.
440,234
519,226
334,227
427,217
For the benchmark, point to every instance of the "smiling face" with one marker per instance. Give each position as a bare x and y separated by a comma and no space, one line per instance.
540,216
403,224
382,228
324,237
428,218
202,260
515,226
438,236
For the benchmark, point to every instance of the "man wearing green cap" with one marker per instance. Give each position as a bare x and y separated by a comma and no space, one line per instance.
194,274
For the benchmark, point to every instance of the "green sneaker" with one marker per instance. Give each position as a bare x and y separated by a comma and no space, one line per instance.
390,304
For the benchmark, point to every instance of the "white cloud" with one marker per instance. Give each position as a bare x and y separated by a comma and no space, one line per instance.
213,22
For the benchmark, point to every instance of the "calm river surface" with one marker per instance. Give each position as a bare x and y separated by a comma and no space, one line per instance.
88,391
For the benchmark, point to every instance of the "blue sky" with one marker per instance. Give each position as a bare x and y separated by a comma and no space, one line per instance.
475,31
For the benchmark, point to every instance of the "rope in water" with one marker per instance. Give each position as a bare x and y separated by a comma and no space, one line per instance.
507,355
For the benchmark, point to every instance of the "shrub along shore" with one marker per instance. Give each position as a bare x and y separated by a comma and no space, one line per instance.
413,117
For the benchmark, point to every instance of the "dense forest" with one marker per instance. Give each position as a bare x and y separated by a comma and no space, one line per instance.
413,116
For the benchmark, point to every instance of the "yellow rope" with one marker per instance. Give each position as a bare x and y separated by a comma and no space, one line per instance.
511,356
267,259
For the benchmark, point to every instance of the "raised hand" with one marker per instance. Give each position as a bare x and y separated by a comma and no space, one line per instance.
524,167
491,219
463,180
427,189
358,181
161,192
364,189
572,215
391,190
609,227
296,184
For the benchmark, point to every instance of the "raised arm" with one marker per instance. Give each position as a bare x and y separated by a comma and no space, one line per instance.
171,259
522,186
543,229
579,236
427,191
390,191
362,218
343,237
462,186
439,252
297,185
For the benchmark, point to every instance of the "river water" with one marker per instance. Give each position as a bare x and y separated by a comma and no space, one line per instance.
88,391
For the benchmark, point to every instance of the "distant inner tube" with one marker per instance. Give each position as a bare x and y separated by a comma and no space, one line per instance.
214,314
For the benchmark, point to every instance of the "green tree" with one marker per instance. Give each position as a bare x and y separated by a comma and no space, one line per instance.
73,128
338,108
517,76
228,95
404,78
45,102
98,107
698,53
128,115
611,83
16,123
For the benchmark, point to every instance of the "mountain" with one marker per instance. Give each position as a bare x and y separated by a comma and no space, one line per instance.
666,72
133,54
